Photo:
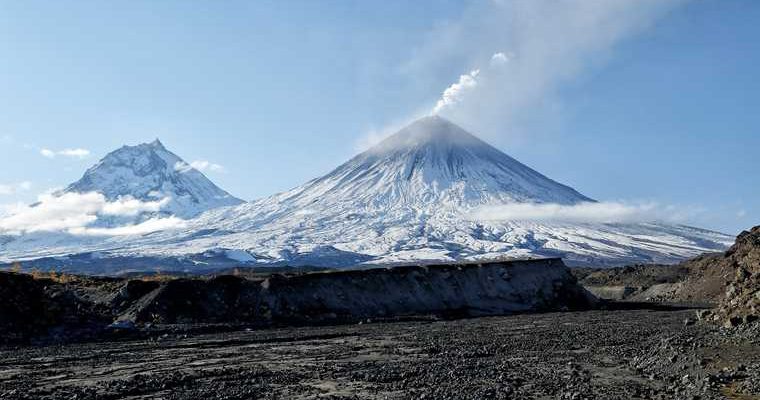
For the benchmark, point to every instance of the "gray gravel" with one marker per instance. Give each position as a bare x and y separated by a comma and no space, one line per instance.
622,354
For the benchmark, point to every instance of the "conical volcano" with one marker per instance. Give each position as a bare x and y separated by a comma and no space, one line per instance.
433,161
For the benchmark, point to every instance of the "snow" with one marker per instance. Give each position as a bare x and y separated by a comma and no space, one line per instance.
408,199
147,172
239,255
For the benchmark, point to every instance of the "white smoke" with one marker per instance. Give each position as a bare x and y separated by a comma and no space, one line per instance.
532,48
456,92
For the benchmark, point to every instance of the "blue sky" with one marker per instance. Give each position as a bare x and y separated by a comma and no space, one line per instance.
280,92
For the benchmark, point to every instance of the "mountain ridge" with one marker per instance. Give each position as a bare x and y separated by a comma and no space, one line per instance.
408,199
150,172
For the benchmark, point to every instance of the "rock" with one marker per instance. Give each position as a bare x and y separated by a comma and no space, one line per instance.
732,322
741,274
703,315
730,290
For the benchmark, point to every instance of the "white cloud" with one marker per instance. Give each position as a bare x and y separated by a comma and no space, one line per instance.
6,189
78,153
741,213
52,213
151,225
73,153
128,206
73,212
203,165
500,58
591,212
200,165
456,92
549,43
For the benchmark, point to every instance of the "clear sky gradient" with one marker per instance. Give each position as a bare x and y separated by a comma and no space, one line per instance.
278,93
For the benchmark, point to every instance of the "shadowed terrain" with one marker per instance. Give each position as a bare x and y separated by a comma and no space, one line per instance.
634,354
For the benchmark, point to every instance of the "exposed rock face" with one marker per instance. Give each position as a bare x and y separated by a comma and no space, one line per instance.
41,307
635,282
343,296
741,301
470,290
314,298
730,280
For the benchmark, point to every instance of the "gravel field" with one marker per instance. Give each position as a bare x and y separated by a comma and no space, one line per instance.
614,354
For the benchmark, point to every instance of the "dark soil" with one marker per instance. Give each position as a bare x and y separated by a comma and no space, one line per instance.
622,354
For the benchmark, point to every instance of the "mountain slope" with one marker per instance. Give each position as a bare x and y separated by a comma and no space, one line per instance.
150,172
410,198
433,161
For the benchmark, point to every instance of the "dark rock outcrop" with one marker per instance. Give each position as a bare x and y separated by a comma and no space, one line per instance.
730,281
340,296
741,300
33,307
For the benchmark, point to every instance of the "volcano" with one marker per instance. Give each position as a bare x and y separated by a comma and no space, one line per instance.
408,199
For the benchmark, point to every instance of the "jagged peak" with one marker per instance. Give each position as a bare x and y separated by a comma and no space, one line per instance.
157,144
142,170
153,146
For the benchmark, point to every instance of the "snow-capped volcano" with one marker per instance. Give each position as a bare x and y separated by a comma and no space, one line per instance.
410,198
150,172
433,162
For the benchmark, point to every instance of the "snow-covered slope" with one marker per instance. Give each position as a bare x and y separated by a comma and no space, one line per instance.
410,198
150,172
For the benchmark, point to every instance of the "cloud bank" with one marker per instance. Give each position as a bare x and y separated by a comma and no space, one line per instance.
151,225
524,51
587,212
75,212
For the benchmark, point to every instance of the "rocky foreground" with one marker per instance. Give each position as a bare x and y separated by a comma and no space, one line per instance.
729,282
223,337
613,354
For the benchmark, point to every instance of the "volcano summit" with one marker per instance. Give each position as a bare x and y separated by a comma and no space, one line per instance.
408,199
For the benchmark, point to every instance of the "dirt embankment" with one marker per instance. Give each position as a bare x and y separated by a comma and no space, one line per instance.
86,307
730,281
32,307
632,283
